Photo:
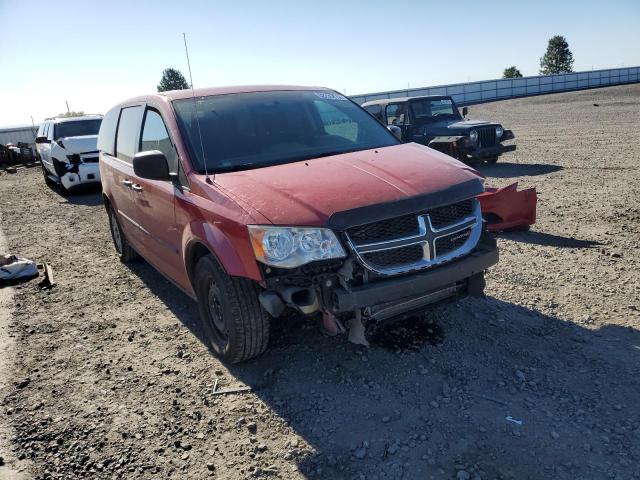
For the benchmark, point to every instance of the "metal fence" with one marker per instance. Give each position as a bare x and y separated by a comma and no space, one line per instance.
492,90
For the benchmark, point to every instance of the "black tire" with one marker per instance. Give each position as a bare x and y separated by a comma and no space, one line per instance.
492,160
235,326
50,183
123,249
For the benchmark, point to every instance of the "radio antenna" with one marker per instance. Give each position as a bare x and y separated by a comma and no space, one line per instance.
195,110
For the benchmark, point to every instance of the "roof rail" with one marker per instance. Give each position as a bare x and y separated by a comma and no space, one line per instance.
83,115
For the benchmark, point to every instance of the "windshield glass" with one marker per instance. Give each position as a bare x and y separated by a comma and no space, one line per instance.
258,129
443,107
77,128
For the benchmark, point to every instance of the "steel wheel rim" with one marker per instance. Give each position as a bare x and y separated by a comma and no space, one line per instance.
115,233
216,312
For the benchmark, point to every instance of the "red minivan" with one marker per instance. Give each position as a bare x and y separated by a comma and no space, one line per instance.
254,200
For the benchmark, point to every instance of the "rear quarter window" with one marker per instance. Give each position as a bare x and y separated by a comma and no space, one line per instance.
107,134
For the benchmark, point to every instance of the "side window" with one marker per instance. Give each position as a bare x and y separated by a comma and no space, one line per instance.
155,137
376,111
107,134
128,133
395,114
46,129
336,122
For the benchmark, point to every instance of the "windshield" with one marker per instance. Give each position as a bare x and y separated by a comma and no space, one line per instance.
442,107
258,129
77,128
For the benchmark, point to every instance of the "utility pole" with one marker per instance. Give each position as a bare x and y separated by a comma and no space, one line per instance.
67,102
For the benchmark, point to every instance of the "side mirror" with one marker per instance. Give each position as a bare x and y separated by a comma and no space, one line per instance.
151,165
465,110
42,140
397,131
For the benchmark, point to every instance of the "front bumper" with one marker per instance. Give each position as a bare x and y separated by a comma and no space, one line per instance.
428,285
81,174
489,152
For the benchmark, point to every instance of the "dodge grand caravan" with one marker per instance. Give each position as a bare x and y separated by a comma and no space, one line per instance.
254,200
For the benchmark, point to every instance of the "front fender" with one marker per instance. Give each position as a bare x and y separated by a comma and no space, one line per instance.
228,243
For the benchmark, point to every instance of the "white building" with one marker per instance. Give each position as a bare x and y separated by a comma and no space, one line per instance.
18,133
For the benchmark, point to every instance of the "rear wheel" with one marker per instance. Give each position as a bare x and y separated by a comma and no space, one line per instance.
235,325
124,250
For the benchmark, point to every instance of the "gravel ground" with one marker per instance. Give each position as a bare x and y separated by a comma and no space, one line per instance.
540,379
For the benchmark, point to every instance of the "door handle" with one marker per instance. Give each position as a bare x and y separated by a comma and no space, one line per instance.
127,183
136,187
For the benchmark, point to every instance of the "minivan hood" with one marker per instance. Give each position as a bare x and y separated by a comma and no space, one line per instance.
85,143
309,192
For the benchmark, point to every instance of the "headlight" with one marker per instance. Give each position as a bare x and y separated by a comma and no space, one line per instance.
473,135
289,247
499,131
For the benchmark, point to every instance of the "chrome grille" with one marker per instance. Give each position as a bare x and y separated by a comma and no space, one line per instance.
487,136
417,241
385,230
449,214
395,256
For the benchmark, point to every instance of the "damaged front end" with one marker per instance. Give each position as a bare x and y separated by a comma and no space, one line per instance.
78,169
397,264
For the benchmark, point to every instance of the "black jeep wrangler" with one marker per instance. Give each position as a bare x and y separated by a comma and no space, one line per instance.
435,121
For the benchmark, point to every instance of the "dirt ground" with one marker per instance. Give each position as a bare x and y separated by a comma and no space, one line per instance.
105,378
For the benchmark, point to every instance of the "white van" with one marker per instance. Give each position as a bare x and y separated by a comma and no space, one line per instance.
66,148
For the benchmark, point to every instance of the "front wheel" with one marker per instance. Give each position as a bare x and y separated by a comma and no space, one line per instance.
492,160
50,183
236,327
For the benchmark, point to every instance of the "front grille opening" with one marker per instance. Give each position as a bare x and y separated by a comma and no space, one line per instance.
395,257
487,136
385,230
450,243
449,214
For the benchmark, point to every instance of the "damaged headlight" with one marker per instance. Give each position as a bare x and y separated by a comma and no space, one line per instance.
289,247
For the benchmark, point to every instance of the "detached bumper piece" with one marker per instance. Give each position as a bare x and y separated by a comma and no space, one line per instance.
507,208
391,297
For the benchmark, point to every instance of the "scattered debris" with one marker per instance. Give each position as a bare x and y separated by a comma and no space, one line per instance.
48,280
491,399
13,267
513,420
231,390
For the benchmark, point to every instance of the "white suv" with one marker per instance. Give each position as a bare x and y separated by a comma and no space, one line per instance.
66,148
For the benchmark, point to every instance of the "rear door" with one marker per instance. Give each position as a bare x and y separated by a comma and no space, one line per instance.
117,168
153,200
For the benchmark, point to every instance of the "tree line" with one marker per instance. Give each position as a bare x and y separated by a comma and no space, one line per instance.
557,59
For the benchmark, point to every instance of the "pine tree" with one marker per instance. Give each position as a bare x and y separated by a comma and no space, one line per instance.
558,58
172,79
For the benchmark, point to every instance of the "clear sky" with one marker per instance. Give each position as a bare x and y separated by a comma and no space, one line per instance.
96,53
